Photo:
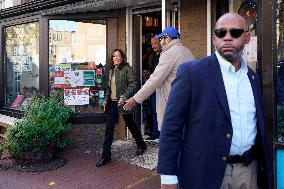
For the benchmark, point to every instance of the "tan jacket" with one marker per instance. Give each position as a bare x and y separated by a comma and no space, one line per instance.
173,54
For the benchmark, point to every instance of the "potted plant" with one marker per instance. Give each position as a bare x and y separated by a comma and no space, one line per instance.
41,130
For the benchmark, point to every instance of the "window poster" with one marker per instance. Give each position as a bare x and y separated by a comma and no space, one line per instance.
91,66
27,64
99,71
17,68
77,78
101,94
76,96
99,80
22,56
89,77
62,79
63,67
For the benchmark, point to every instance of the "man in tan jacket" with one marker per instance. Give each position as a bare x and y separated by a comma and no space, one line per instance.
173,54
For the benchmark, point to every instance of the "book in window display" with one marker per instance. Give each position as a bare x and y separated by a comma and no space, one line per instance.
17,102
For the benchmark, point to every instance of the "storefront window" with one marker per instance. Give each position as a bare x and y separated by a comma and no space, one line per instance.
248,9
280,69
21,62
77,55
4,4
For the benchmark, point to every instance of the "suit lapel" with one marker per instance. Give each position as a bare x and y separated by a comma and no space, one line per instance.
254,90
217,80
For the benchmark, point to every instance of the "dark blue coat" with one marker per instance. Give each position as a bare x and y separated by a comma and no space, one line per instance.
194,137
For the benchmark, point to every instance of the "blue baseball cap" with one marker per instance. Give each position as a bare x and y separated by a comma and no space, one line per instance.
169,32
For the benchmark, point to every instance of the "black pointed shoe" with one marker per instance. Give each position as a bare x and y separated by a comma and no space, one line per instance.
140,151
103,161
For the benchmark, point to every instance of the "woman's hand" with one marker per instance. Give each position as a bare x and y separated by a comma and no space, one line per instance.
121,101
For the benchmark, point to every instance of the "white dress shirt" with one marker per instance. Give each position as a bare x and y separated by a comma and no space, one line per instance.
241,106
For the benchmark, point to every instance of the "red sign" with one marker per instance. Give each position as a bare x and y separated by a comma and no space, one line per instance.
99,71
59,74
76,91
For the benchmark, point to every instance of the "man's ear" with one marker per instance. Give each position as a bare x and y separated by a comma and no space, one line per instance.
213,39
247,37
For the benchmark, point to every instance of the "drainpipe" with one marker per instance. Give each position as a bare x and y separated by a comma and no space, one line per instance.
208,27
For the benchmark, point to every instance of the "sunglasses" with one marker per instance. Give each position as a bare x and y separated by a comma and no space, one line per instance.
235,33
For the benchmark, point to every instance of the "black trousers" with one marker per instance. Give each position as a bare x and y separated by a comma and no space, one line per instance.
112,118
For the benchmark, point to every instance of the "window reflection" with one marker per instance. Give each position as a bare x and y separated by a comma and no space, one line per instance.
280,69
21,63
77,55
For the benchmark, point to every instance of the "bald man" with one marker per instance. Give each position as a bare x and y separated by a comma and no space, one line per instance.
213,133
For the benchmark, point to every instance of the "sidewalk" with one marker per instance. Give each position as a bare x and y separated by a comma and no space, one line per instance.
80,172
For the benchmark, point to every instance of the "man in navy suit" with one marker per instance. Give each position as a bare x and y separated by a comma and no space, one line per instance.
213,133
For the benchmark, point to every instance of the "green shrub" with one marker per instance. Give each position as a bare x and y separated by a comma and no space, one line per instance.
45,121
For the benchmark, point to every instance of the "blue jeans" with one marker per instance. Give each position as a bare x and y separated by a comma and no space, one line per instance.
154,122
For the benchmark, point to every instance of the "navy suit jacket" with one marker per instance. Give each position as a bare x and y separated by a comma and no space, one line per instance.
194,140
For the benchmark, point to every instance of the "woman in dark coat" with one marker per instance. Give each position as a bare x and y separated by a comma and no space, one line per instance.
121,86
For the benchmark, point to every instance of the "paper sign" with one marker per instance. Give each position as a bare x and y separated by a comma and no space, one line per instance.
89,77
79,96
77,78
91,65
62,79
17,68
99,71
101,94
63,67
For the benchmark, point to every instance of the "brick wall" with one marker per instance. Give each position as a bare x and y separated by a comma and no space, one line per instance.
120,131
121,25
193,24
213,18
